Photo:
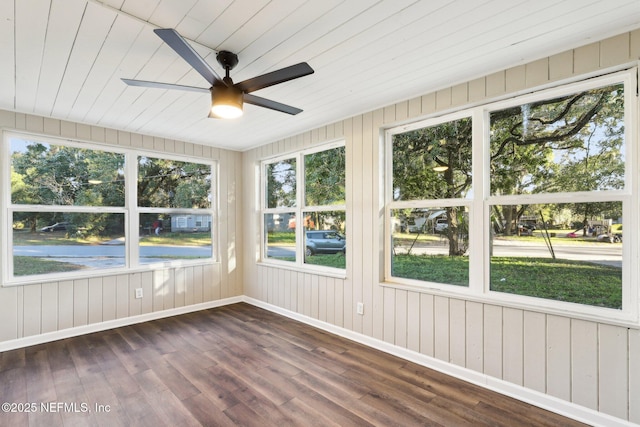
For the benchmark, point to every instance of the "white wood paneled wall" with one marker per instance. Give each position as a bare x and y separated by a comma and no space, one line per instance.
54,306
590,364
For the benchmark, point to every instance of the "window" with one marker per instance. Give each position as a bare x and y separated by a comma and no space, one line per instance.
557,172
429,210
68,211
538,216
172,196
303,208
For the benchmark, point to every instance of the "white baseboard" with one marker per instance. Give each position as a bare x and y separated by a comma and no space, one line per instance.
111,324
536,398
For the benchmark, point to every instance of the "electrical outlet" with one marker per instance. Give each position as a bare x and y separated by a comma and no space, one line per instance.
360,308
138,292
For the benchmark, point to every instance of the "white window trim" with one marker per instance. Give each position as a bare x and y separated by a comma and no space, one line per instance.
478,289
299,209
130,210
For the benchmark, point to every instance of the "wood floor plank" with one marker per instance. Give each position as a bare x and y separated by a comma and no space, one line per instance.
127,356
242,365
59,356
12,359
243,415
202,408
14,391
139,411
102,400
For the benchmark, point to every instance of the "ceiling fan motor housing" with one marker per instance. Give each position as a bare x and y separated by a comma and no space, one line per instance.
227,60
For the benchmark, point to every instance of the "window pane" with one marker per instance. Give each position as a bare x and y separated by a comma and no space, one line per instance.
325,177
168,237
281,184
47,243
48,174
280,238
567,144
430,244
165,183
433,162
325,238
565,252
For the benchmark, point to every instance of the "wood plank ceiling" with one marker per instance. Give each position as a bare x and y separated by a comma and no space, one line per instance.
64,58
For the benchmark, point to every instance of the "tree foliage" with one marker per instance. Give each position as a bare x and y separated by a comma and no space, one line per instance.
49,174
325,177
281,184
173,184
571,143
435,163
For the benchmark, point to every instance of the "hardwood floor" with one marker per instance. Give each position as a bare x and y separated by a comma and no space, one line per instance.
239,365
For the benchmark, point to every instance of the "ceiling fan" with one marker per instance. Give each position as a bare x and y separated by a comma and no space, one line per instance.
226,97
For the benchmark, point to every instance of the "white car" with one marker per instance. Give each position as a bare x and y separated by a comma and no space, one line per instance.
440,225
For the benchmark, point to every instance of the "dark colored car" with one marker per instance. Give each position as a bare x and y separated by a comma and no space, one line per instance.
526,226
58,226
324,242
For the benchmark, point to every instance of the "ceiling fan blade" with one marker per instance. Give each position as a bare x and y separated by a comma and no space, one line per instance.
273,105
184,49
273,78
158,85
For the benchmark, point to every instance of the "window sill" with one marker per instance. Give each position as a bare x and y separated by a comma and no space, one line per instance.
319,271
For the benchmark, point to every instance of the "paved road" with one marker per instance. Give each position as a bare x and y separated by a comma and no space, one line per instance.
109,255
600,253
281,251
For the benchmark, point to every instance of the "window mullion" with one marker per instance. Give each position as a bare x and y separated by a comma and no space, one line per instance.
300,206
131,204
479,230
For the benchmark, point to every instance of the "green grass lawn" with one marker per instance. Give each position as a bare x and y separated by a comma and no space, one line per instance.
281,237
560,280
177,239
27,266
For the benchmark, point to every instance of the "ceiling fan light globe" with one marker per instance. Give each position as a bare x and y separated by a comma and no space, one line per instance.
226,102
226,111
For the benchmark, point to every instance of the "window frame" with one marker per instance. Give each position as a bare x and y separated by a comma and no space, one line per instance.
467,203
298,210
129,209
482,200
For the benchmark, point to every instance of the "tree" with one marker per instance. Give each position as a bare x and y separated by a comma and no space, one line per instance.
281,183
325,185
173,184
48,174
566,144
325,177
435,163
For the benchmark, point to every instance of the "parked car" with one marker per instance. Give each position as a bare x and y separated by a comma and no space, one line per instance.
526,226
440,225
58,226
324,242
610,238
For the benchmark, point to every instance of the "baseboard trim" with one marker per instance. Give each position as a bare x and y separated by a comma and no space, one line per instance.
111,324
541,400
